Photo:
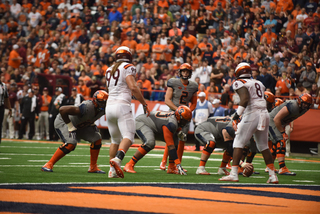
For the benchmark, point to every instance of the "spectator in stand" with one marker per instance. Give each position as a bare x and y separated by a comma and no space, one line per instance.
190,40
266,78
308,76
230,110
300,89
157,93
203,73
217,75
44,115
75,99
14,58
94,85
226,95
218,110
283,84
39,105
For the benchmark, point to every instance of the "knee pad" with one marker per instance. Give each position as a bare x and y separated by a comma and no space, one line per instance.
146,147
281,147
96,145
209,147
229,147
67,148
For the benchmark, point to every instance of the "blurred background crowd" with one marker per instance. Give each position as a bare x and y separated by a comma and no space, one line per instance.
54,47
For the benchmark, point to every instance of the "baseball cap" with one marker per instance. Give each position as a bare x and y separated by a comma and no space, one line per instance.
45,89
215,101
15,47
35,88
219,4
74,89
59,89
202,94
30,90
157,83
309,63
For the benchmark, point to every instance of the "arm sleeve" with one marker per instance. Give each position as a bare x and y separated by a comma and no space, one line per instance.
168,136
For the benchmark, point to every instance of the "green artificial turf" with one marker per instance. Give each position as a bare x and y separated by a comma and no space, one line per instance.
20,162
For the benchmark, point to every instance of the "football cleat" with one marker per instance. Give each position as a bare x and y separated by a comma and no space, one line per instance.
231,177
96,170
112,173
47,168
273,179
275,170
129,168
202,171
163,165
285,171
173,170
116,163
223,171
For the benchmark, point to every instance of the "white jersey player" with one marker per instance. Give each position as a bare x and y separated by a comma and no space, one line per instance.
255,121
121,85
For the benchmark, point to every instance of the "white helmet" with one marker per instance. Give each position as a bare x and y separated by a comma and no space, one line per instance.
243,70
123,53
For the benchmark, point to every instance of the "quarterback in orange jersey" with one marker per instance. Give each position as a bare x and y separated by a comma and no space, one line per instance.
180,91
160,126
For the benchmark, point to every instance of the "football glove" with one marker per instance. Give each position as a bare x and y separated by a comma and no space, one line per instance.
285,137
146,110
182,136
235,121
181,170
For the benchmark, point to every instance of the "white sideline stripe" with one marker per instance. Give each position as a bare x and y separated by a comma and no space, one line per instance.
34,147
37,160
4,158
147,183
303,181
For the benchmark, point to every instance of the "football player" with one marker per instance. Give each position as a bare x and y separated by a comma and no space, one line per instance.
121,85
160,126
74,123
215,132
281,116
255,121
180,92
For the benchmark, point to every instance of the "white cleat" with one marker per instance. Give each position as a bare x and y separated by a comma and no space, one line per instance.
223,171
231,177
273,179
112,173
116,163
202,171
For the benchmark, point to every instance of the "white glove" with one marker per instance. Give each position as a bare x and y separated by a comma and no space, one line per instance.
180,169
182,136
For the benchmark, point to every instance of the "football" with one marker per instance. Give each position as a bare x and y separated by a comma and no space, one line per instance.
248,170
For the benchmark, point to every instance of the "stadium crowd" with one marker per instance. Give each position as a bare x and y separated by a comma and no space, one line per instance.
77,39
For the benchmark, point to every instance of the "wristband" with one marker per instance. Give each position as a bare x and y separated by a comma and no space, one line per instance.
283,132
240,110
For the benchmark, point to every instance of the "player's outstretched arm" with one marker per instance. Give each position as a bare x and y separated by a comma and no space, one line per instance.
136,92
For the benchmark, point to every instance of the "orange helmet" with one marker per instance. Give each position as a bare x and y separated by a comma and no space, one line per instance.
243,70
278,102
183,115
185,67
100,98
123,53
305,98
269,97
